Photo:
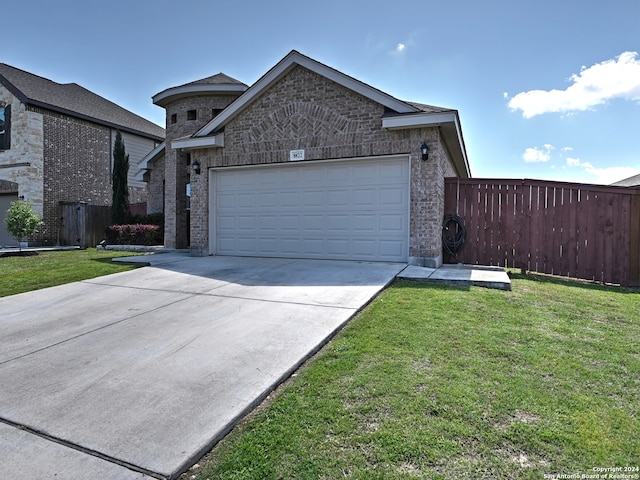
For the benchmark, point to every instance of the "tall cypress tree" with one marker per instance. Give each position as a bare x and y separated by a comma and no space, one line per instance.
120,199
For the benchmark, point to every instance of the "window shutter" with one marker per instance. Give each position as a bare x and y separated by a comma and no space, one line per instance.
7,128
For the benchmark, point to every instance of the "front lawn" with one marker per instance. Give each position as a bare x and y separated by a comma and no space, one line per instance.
47,269
439,382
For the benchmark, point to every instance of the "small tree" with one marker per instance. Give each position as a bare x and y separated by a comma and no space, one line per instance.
120,199
21,220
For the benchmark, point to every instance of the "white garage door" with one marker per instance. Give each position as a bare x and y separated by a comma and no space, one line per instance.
348,210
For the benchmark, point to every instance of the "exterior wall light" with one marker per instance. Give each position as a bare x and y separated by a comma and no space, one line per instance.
425,151
196,167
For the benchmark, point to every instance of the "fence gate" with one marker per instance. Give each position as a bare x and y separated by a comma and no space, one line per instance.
581,231
82,224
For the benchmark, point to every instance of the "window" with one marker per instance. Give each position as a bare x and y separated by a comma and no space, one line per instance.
174,118
191,114
215,112
5,127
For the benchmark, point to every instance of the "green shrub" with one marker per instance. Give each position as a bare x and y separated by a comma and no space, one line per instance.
21,220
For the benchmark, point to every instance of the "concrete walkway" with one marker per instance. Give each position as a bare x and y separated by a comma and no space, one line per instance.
460,275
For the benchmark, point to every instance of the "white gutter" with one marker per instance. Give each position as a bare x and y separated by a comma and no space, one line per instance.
418,120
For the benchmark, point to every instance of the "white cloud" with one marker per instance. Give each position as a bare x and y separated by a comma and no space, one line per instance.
400,47
594,85
604,176
535,154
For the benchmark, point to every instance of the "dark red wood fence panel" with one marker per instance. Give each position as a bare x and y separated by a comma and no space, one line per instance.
581,231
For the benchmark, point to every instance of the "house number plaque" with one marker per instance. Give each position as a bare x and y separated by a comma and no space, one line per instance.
296,155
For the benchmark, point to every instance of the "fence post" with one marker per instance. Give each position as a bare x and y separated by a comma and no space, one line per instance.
634,241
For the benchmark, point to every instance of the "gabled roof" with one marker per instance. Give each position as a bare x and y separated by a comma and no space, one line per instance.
283,67
217,84
400,114
76,101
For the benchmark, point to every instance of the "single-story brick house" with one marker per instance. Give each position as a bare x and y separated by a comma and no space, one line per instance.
308,163
56,143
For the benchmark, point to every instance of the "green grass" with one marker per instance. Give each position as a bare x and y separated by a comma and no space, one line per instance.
47,269
441,382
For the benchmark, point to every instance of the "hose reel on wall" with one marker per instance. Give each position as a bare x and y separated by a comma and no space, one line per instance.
453,234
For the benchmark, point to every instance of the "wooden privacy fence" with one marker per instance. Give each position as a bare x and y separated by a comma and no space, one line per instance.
82,224
568,229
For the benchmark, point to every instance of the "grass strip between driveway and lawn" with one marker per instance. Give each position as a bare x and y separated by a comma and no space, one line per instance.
47,269
439,382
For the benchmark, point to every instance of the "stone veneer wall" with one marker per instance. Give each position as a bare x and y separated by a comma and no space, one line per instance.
307,111
23,163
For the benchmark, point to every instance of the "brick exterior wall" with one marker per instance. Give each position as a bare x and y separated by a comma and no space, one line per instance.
177,165
155,186
77,168
307,111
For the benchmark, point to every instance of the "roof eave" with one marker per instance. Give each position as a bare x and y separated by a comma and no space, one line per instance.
196,143
143,164
449,123
70,113
15,91
169,95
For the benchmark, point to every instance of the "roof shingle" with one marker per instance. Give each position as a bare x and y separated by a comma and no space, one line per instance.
74,100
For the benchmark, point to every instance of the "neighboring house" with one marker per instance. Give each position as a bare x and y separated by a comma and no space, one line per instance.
306,163
56,143
628,182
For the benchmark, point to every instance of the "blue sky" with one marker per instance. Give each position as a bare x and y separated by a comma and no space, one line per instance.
546,89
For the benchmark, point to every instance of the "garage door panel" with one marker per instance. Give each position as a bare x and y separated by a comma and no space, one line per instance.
289,246
313,199
267,199
289,199
365,198
338,198
312,223
340,210
246,245
337,223
390,248
364,223
289,222
267,246
364,248
266,223
392,223
393,197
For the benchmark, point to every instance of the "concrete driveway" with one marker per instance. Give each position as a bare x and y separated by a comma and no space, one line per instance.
136,375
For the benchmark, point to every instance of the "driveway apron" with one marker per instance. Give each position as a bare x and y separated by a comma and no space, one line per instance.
137,374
